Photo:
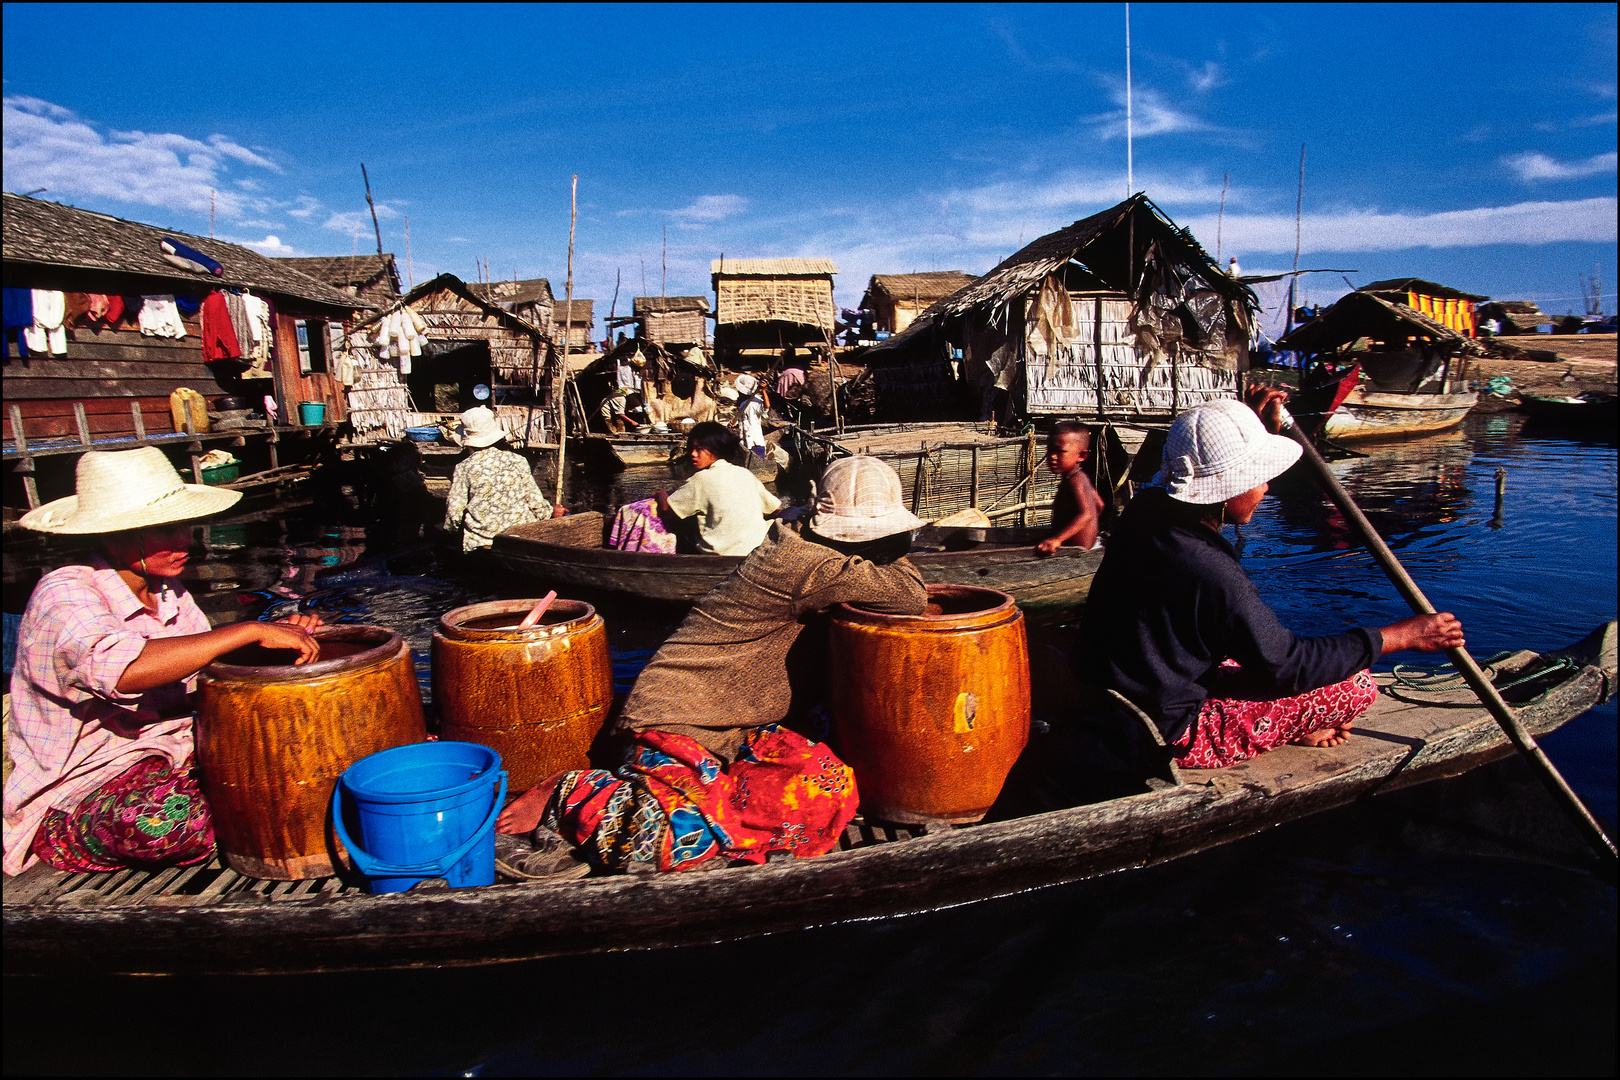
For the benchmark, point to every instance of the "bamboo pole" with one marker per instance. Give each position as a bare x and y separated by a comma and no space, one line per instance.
568,319
1477,680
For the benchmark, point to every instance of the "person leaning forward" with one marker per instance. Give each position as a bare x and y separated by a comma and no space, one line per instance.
107,652
712,775
492,489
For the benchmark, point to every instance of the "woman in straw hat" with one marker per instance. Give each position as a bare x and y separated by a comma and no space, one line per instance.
493,489
107,653
711,774
1175,625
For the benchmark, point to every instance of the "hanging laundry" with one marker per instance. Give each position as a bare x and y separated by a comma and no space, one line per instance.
188,258
218,335
105,307
75,305
132,310
160,318
47,333
187,303
239,321
18,316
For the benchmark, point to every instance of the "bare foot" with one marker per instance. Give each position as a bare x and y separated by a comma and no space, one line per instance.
1325,737
523,813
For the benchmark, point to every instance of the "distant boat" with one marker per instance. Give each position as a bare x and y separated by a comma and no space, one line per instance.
1589,410
1370,414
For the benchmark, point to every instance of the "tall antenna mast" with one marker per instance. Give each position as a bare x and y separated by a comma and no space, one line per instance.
1221,216
1130,164
373,206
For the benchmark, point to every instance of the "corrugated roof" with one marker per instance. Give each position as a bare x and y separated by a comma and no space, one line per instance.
581,313
1423,288
652,305
771,267
522,291
50,234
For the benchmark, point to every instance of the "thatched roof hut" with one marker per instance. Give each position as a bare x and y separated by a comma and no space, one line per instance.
577,322
1119,315
675,321
1450,307
371,279
896,300
529,299
1399,348
1516,316
763,305
467,342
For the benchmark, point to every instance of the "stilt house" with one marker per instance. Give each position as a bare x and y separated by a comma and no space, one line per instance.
1119,316
468,351
529,299
895,300
1449,307
119,376
577,322
675,322
372,279
764,305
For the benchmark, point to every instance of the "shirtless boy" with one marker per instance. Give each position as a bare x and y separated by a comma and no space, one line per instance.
1076,508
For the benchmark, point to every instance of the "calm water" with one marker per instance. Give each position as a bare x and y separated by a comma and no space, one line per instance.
1454,928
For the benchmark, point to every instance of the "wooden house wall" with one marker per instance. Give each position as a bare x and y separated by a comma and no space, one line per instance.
675,327
579,337
292,385
451,319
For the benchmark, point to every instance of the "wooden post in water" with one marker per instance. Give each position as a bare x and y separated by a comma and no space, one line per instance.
568,320
973,483
1497,521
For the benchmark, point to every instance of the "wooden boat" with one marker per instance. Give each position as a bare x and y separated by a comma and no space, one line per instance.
569,553
208,919
617,451
1371,414
1588,410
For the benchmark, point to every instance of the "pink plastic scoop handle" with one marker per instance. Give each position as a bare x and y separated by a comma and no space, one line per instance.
538,610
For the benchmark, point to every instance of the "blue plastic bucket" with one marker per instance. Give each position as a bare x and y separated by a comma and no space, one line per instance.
312,413
424,810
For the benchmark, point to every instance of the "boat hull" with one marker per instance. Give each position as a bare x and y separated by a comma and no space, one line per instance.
1365,415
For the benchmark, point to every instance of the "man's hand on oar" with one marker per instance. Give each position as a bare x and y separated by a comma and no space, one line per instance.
1424,633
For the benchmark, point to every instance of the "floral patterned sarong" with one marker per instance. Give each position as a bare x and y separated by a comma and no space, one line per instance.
151,814
637,527
1229,730
673,805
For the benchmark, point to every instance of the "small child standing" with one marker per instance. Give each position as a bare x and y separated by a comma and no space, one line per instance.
1076,508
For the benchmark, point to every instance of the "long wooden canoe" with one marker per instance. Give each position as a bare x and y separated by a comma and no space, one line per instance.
209,919
1591,410
569,553
1368,414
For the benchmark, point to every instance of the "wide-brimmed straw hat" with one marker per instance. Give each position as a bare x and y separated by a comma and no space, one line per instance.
1218,450
480,428
127,489
861,499
745,384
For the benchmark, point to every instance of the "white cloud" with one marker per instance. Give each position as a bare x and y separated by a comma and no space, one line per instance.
710,208
304,207
1151,115
49,146
346,221
1206,78
1583,220
1533,166
270,245
457,240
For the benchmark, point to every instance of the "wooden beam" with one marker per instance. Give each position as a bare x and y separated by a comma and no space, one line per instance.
83,423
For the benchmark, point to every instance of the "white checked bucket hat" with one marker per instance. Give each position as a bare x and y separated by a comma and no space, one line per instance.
861,499
480,428
127,489
1218,450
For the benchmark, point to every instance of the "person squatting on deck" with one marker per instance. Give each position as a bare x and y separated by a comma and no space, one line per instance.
1076,508
493,489
108,651
712,770
1174,625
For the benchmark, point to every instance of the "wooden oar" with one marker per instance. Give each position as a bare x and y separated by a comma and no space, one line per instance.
538,610
1477,680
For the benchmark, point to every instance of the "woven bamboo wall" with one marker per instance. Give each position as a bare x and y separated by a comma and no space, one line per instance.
806,300
938,480
674,327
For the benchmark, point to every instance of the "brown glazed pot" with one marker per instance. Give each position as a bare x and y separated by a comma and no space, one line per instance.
272,740
537,697
931,710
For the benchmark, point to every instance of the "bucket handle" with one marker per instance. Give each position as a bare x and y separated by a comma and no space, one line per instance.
372,868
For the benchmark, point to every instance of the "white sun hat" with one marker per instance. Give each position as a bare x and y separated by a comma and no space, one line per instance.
745,384
861,499
729,393
119,490
1218,450
480,428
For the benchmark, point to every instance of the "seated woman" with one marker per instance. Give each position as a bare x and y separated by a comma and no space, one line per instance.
710,770
1176,627
492,489
723,506
107,652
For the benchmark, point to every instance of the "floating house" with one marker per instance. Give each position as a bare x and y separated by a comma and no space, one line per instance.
895,300
442,349
1451,308
1120,316
102,375
530,299
576,322
1400,349
371,279
763,306
674,322
1516,316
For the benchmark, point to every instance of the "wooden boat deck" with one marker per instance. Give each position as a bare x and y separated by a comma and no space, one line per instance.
210,920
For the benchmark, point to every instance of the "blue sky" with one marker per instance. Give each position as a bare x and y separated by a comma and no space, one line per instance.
1474,145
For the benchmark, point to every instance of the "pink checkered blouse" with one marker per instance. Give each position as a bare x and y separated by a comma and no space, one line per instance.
71,730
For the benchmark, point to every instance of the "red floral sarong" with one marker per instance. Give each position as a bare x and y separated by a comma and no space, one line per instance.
637,527
148,815
674,805
1229,730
